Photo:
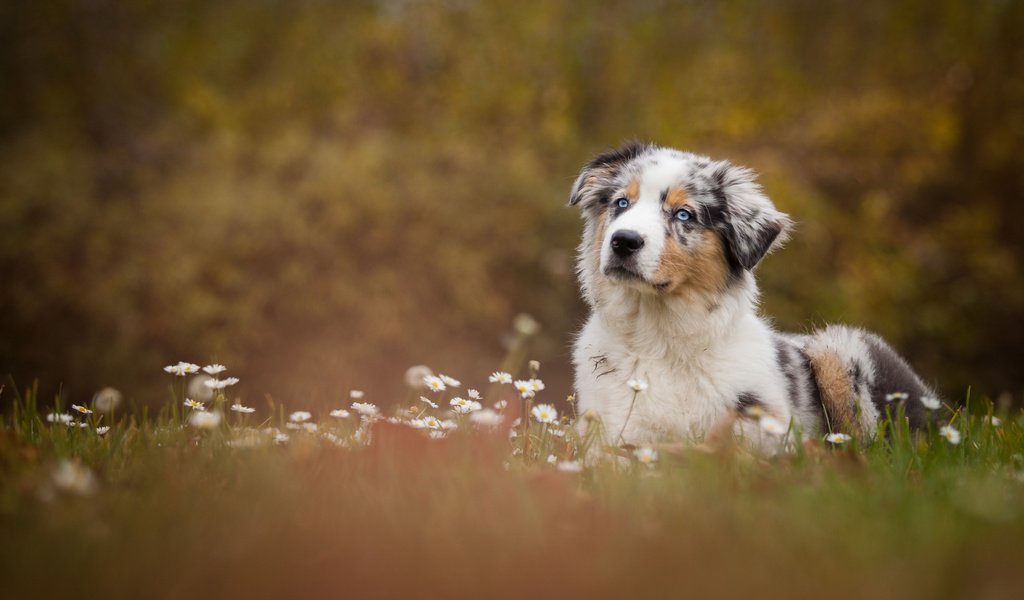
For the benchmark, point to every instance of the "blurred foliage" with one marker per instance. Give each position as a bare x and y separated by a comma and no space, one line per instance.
320,194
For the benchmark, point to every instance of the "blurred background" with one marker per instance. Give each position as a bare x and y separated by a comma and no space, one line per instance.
321,194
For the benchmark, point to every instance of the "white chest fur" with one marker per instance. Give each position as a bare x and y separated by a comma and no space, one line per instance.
696,362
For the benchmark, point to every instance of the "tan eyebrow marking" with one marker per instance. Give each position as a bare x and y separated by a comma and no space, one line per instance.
633,189
676,198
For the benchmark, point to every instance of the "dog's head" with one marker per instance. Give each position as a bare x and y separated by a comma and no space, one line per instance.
669,222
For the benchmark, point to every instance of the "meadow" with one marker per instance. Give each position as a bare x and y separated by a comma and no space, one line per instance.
320,195
453,495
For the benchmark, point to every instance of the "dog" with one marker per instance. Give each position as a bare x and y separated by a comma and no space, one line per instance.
674,345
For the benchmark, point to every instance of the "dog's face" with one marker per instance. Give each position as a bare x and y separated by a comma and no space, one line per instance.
669,222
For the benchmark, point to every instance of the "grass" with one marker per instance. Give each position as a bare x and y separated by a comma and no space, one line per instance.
158,508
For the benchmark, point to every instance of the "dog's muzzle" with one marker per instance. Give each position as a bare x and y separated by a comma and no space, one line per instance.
625,245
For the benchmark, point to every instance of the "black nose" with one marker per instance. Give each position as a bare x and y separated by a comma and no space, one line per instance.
626,242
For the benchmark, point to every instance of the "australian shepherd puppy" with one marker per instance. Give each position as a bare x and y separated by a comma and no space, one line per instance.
666,264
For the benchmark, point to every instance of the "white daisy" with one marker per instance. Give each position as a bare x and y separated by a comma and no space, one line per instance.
434,383
525,325
772,426
646,455
431,422
753,410
198,389
214,369
194,405
837,438
525,388
428,401
557,432
365,408
102,430
107,399
299,416
486,418
450,381
500,377
930,402
182,369
204,420
637,385
310,427
993,420
545,413
552,459
59,418
501,404
73,477
463,406
415,376
952,434
416,423
339,413
474,395
281,438
242,409
219,384
356,394
896,396
81,409
448,424
330,437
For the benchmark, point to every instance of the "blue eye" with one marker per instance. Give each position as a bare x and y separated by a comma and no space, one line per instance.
622,203
683,215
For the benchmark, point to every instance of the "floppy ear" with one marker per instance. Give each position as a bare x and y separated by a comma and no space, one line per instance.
754,226
600,173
